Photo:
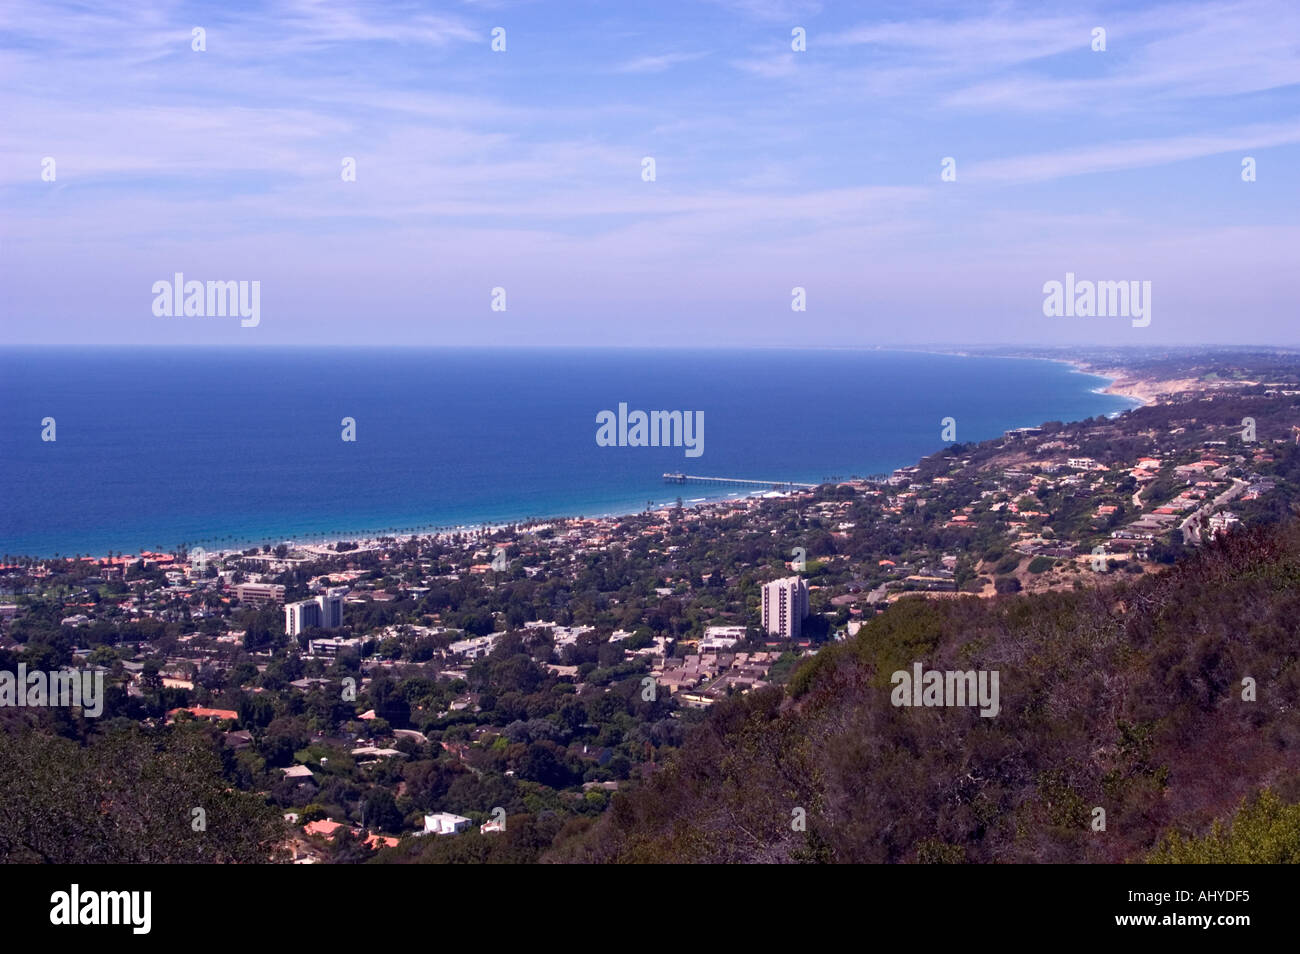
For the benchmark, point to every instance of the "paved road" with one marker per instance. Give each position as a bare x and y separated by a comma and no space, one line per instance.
1191,527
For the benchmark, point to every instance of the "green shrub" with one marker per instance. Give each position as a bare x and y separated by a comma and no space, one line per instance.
1007,563
1264,831
1041,564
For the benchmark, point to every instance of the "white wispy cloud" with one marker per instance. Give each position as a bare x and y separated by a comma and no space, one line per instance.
772,10
1136,154
657,63
772,164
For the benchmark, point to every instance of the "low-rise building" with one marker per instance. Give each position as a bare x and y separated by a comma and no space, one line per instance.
444,823
260,594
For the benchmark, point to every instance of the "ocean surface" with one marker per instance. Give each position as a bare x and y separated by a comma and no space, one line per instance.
158,447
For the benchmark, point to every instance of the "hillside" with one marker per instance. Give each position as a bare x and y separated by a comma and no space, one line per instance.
1127,698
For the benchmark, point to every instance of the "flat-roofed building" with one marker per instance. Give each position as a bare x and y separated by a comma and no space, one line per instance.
260,594
331,609
299,617
323,612
444,823
785,604
721,637
332,646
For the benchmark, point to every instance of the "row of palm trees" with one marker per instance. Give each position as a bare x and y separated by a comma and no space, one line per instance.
232,542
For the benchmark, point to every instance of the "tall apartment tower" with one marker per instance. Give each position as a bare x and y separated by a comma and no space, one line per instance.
785,604
301,616
325,612
331,608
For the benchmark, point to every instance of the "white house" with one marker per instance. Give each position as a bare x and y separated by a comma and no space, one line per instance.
444,823
474,647
720,637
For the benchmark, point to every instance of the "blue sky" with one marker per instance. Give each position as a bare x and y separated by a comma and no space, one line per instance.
774,169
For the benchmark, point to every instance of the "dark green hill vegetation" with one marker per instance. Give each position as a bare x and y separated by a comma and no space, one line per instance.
128,796
1128,699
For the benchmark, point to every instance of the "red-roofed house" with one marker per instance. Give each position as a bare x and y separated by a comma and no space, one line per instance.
380,841
329,827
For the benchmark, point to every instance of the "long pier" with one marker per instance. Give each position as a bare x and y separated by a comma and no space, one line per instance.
738,481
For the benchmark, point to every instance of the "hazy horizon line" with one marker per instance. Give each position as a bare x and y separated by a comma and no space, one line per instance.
369,346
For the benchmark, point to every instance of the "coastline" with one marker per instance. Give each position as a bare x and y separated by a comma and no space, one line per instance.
372,538
413,528
1120,381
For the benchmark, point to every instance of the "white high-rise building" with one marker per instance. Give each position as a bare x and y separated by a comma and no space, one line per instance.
325,612
785,604
331,609
300,616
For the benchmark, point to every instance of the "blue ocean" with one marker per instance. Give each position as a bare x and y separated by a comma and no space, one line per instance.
156,447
